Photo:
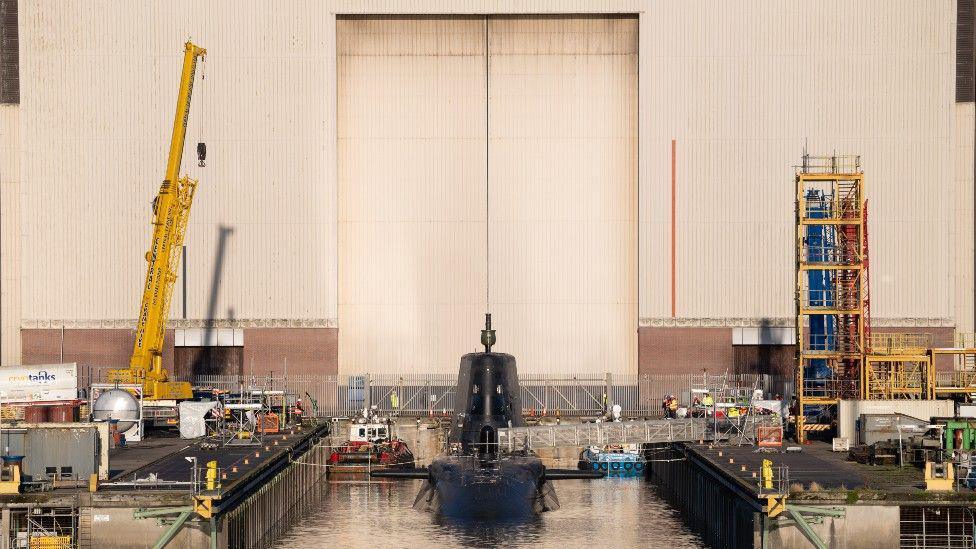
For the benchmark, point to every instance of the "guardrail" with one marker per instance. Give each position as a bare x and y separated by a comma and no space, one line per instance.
433,394
633,432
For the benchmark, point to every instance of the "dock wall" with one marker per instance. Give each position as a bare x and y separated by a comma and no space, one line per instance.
727,517
713,510
116,528
862,527
277,505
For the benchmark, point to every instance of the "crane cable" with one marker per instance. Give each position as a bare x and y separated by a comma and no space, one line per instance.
201,141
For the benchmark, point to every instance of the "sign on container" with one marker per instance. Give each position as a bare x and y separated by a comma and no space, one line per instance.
38,383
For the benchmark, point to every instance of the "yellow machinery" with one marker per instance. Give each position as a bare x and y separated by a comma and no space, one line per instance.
10,476
939,477
171,209
50,542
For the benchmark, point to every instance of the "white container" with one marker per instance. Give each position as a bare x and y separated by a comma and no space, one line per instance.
46,382
841,444
967,410
849,411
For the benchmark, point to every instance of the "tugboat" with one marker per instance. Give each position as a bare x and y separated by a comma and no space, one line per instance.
615,461
371,446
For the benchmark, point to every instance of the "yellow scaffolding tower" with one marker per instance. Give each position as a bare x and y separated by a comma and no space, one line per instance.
831,287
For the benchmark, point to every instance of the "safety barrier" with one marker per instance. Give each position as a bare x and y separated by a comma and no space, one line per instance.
653,431
433,394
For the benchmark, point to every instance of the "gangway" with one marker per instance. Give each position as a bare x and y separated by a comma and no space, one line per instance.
632,432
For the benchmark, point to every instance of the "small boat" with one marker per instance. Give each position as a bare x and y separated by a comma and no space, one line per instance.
615,461
371,446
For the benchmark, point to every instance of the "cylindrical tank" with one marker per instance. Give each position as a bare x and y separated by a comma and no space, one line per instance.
117,404
63,413
36,414
29,384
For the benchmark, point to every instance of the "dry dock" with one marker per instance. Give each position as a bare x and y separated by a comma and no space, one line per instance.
157,496
816,497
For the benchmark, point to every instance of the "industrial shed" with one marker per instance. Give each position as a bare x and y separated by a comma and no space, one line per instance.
629,164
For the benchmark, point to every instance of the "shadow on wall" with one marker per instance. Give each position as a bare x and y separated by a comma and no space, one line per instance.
766,357
209,358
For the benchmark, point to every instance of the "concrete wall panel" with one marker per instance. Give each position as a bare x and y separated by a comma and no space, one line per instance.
740,86
10,234
411,156
563,191
99,82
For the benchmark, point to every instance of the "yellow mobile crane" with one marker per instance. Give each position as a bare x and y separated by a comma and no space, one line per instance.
171,209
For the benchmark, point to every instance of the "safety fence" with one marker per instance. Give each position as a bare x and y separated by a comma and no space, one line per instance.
655,431
434,394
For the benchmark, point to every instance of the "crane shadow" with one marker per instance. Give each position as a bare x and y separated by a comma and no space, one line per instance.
210,359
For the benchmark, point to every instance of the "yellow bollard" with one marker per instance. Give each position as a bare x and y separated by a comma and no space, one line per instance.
767,474
211,475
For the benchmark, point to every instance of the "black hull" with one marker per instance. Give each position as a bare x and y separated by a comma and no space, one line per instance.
463,486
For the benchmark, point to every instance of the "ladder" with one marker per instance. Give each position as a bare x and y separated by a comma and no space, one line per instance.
84,532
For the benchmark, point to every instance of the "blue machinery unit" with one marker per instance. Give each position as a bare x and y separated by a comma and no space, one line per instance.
831,288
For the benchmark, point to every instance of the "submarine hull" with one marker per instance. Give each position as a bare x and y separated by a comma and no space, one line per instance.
466,486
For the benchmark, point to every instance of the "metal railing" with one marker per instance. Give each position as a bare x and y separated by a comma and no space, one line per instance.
899,344
964,340
633,432
956,380
434,394
838,163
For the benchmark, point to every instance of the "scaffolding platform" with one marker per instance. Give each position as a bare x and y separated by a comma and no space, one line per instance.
832,303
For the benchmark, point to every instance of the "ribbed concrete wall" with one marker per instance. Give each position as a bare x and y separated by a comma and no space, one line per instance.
963,218
98,87
563,191
561,196
10,234
411,157
740,86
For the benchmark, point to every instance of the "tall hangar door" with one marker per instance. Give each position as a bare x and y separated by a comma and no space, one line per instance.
552,103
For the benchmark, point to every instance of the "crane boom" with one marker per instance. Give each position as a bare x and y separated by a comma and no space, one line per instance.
171,210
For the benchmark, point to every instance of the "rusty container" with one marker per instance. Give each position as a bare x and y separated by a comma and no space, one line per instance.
36,414
63,413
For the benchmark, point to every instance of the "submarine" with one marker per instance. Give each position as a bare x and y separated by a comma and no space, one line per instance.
477,477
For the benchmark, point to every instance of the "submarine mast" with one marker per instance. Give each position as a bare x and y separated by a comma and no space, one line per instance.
487,335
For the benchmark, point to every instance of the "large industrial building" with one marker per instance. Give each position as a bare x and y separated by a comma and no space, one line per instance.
613,180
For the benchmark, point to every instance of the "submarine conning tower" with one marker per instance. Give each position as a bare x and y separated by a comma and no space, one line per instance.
488,398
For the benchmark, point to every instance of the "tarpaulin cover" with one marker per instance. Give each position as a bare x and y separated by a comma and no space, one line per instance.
193,418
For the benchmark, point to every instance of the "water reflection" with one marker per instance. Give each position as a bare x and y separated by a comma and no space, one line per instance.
606,513
377,514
